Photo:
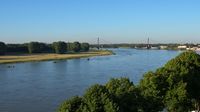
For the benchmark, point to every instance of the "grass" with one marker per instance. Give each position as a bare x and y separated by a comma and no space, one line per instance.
46,57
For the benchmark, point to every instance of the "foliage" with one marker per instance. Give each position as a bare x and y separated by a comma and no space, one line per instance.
176,85
98,99
70,46
2,48
17,48
153,88
176,98
85,47
76,47
60,47
71,105
125,94
36,47
118,95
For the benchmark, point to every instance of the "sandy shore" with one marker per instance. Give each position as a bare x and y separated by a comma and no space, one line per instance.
46,57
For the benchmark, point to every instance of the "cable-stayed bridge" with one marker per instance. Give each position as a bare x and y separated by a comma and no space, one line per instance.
145,44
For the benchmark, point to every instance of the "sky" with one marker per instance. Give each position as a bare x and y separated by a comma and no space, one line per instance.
113,21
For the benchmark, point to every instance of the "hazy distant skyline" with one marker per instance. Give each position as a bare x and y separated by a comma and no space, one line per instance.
114,21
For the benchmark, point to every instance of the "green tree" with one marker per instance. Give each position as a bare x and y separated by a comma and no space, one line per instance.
98,99
153,87
186,68
60,47
176,85
176,99
2,48
71,105
125,94
85,47
17,48
76,47
70,46
36,47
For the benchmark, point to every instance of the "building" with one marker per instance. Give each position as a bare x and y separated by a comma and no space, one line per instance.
163,47
182,47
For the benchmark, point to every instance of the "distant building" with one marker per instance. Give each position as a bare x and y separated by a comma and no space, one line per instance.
163,47
192,48
154,48
182,47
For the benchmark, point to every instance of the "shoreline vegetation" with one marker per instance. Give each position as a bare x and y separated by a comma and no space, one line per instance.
51,56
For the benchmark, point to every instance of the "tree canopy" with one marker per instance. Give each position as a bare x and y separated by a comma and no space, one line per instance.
76,47
176,85
2,48
60,47
36,47
85,46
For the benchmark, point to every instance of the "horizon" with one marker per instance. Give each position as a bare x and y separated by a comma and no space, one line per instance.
114,21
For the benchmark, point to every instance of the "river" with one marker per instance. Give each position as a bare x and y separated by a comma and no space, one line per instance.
42,86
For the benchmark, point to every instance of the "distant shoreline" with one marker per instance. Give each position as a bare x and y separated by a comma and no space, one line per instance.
50,56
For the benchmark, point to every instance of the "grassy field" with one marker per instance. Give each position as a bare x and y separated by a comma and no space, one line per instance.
45,57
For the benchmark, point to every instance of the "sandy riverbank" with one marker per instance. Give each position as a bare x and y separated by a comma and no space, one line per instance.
46,57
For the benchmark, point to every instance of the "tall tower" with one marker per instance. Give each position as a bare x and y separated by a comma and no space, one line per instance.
148,45
98,46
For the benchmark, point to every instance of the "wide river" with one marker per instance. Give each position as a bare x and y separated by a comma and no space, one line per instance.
42,86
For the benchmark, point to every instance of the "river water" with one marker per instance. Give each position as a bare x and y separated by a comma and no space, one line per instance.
42,86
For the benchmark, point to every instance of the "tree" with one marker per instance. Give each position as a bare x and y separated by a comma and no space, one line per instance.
76,47
70,46
176,99
2,48
60,47
36,47
17,48
98,99
85,47
176,85
153,88
71,105
125,94
186,68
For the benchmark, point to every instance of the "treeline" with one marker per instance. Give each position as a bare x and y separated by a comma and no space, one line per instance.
174,87
59,47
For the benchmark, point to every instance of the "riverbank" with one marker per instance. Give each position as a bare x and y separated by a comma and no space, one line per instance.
46,57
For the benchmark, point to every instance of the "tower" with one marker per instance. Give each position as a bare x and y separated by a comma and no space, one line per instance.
98,46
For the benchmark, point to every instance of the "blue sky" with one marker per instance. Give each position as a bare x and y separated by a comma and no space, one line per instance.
114,21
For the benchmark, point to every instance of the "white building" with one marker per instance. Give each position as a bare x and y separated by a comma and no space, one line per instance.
163,47
192,48
182,47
